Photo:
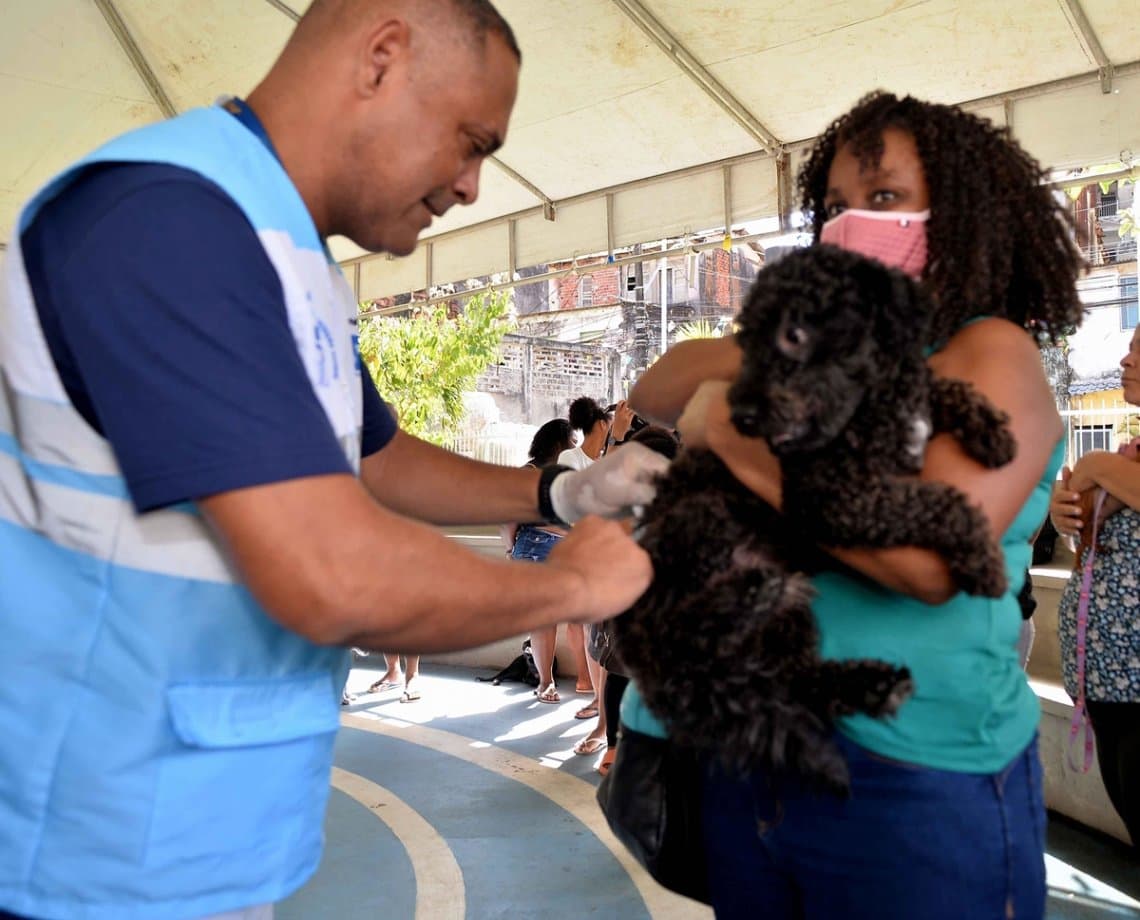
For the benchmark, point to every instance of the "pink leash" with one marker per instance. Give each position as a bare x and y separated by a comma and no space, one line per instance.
1080,713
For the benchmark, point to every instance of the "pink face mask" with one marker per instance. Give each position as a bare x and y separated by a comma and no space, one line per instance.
895,238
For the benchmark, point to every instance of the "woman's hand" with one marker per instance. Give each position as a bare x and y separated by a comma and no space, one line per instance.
707,406
706,423
1065,506
1088,470
1117,473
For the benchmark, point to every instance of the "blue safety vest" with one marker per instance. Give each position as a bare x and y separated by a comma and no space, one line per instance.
165,746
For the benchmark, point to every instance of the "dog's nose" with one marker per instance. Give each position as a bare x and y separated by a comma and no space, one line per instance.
746,419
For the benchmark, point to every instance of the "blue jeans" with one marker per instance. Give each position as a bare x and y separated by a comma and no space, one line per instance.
533,544
911,843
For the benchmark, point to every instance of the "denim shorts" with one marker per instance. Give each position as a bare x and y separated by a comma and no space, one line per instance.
533,544
910,842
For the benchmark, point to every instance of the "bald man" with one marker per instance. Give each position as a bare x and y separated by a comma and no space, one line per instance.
204,502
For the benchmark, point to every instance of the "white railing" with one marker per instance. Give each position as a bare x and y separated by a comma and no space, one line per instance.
1103,427
504,450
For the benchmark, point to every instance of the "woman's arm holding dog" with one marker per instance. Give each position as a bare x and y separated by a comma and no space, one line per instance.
988,354
705,423
666,388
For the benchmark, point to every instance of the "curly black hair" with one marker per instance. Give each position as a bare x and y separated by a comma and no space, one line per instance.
1000,244
550,440
585,413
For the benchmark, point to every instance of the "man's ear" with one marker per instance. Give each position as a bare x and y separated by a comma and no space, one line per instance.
386,47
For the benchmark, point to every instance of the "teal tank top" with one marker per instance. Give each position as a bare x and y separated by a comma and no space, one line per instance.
973,709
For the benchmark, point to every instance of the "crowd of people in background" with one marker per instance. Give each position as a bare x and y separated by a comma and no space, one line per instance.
587,433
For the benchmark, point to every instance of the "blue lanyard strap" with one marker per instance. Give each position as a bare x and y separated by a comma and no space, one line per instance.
248,117
243,113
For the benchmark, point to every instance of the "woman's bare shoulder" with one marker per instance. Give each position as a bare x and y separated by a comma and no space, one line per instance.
990,344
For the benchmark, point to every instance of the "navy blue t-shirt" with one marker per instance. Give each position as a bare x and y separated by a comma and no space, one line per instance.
167,325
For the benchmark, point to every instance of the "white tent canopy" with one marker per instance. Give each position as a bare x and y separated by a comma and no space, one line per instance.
636,119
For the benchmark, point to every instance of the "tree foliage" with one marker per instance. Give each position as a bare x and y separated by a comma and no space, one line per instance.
423,363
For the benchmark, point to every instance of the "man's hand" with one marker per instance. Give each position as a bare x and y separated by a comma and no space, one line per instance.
615,571
612,487
1065,506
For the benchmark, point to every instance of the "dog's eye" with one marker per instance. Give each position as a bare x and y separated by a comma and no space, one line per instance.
793,337
793,341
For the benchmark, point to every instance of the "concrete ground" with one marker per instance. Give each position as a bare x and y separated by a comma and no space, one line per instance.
471,803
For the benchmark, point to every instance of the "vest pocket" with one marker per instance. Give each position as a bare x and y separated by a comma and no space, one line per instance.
246,772
239,714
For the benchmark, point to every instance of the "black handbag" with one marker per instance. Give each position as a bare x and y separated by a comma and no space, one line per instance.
651,798
602,646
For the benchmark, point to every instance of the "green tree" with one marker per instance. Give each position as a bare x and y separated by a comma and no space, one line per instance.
423,363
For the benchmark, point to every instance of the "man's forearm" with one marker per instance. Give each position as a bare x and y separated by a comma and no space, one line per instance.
491,599
353,573
425,482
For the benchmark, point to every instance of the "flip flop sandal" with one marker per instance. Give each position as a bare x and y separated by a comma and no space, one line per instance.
586,712
589,746
549,696
409,696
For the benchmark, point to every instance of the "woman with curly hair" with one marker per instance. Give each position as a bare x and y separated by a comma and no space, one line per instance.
946,816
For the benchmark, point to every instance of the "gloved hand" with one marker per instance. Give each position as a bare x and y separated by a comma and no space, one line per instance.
614,486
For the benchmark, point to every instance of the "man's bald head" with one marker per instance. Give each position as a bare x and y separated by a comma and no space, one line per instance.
472,20
383,111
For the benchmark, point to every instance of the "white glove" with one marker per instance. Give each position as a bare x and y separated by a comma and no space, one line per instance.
616,485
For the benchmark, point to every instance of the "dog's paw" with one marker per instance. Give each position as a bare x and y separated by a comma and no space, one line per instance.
825,767
885,695
900,692
982,572
997,447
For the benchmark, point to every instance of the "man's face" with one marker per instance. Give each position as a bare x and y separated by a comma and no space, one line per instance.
434,125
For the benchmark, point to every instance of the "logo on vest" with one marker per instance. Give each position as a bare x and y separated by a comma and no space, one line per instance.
328,368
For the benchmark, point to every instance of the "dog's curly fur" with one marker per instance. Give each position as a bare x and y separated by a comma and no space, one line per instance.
724,645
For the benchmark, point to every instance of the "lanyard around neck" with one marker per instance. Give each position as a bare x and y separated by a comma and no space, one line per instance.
240,110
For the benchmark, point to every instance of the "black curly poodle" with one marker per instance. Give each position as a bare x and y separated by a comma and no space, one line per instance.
724,645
